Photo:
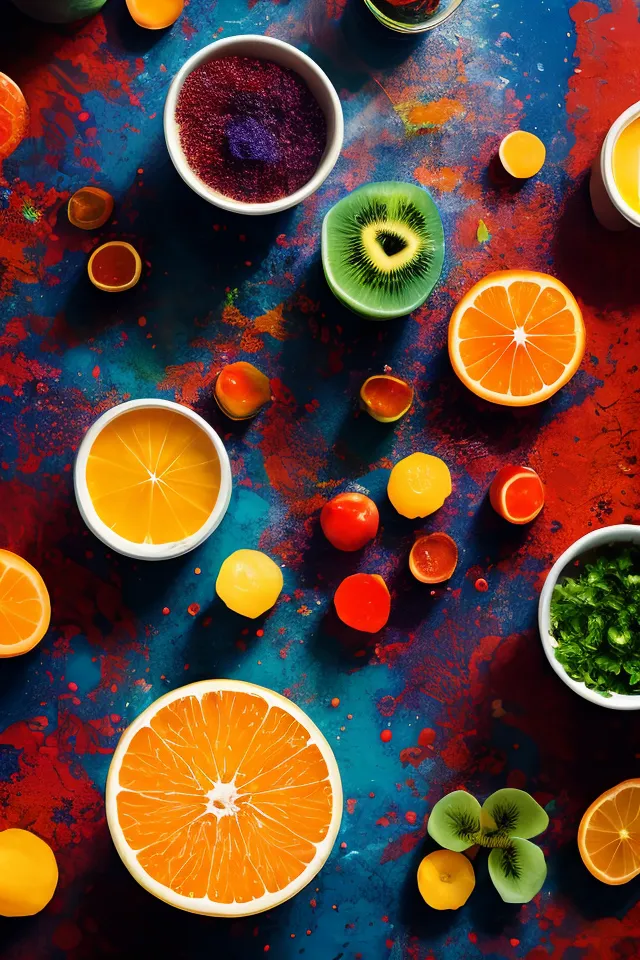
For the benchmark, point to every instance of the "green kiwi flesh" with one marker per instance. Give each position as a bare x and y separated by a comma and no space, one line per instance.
383,249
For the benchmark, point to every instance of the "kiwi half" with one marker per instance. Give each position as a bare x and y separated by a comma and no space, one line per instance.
383,249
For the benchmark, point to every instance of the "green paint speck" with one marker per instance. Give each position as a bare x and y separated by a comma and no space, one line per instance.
231,297
30,213
483,234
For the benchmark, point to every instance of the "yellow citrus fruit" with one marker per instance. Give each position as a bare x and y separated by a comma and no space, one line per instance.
25,609
446,880
28,873
419,485
249,582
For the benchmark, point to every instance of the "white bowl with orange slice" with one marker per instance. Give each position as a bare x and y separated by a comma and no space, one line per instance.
516,337
152,479
223,798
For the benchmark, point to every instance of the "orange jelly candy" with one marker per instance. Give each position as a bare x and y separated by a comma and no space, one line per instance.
433,558
90,208
115,266
363,602
14,116
241,390
517,494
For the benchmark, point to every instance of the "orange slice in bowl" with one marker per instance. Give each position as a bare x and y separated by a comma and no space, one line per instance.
516,337
223,798
114,266
609,834
25,610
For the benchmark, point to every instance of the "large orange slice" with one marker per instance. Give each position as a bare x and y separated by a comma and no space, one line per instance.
25,610
609,834
516,337
153,476
223,798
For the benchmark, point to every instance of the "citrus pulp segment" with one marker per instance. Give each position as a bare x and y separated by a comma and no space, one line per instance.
223,798
609,834
153,476
516,337
25,609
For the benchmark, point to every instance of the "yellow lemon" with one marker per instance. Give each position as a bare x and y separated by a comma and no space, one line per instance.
28,873
446,879
419,485
249,582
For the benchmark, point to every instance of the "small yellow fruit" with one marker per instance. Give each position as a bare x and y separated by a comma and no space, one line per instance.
249,582
28,873
419,485
446,880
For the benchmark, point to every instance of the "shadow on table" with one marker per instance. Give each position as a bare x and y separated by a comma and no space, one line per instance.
377,46
599,266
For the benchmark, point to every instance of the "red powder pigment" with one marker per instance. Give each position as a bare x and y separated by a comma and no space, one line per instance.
250,129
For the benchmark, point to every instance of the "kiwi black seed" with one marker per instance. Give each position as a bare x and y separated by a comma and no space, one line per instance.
383,249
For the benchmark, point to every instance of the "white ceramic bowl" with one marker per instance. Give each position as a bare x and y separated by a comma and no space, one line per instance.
262,48
620,533
149,551
613,212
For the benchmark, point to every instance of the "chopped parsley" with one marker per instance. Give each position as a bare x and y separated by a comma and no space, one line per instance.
595,619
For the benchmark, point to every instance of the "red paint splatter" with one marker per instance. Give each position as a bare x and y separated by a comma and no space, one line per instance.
386,736
481,585
166,611
193,609
335,702
351,805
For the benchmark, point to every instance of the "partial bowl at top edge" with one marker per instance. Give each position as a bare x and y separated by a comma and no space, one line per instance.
262,48
603,537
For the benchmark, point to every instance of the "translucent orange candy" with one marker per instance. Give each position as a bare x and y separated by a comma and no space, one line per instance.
14,116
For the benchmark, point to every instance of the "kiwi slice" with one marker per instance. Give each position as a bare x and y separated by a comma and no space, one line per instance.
383,248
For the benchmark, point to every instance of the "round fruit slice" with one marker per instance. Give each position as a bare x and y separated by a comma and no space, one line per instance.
609,834
433,558
517,494
153,476
386,398
223,798
522,154
25,610
14,116
383,249
446,879
516,337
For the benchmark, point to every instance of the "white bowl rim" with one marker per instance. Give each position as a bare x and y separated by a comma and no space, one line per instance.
148,551
603,536
210,52
606,163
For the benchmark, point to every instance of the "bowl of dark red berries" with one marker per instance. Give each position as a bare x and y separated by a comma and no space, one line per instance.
253,125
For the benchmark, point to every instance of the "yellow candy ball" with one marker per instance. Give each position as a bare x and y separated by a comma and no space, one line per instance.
249,582
446,879
28,873
419,485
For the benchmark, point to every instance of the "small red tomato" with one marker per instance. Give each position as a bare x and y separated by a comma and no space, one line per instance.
349,521
517,494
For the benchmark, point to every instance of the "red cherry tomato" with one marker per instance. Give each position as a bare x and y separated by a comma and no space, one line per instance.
349,521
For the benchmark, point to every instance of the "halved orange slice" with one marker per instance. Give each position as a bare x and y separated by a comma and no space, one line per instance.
14,116
223,798
25,610
609,834
516,337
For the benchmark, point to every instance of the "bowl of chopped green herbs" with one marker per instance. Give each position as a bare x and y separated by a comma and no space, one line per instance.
589,617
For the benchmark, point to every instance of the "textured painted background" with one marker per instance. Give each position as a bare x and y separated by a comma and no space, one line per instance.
458,676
